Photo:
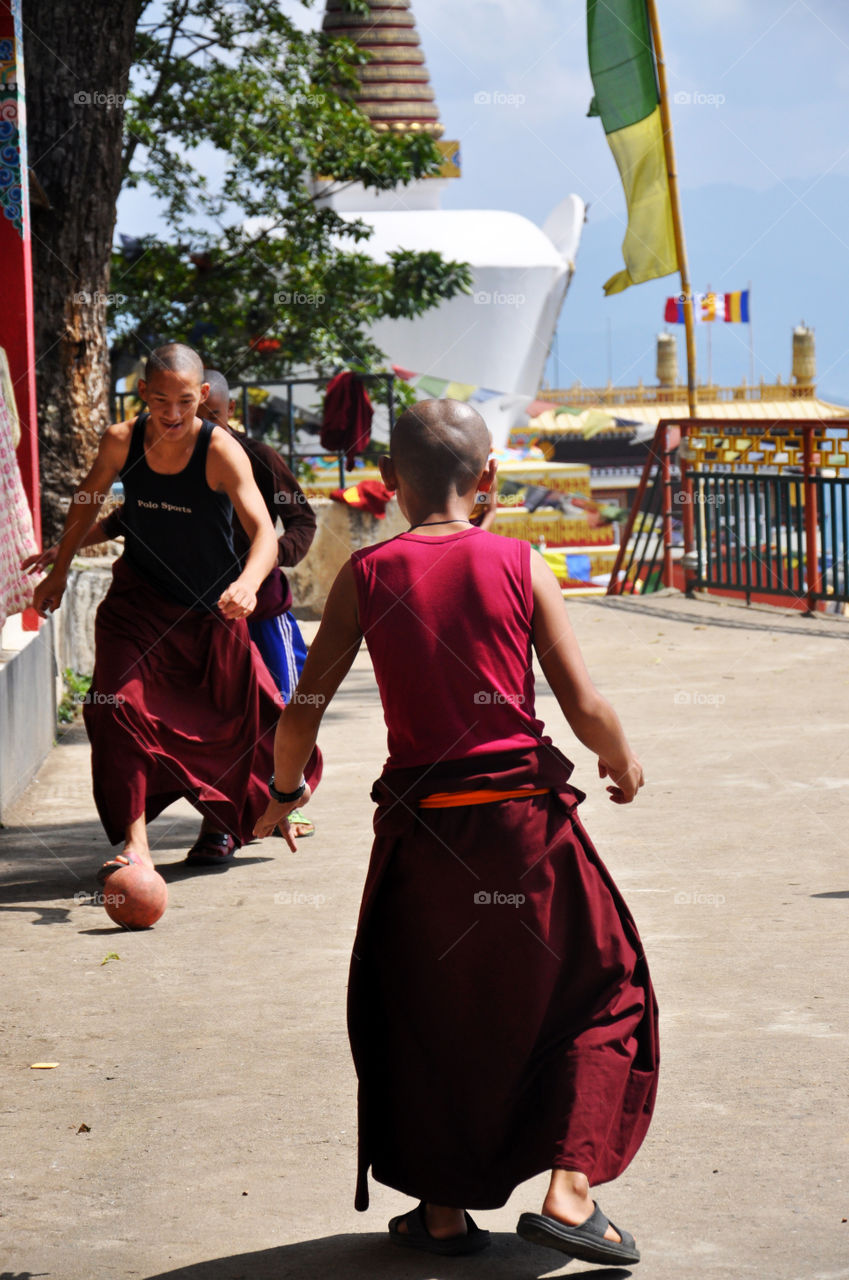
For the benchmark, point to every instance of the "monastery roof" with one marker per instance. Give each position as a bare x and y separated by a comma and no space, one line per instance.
601,421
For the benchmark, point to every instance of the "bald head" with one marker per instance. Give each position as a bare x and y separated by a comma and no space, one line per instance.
174,357
218,384
440,447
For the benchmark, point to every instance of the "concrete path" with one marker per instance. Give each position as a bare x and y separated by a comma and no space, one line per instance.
209,1062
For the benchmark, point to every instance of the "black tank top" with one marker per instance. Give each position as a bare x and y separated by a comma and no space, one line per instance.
177,531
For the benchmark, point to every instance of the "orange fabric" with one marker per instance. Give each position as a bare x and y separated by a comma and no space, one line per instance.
454,799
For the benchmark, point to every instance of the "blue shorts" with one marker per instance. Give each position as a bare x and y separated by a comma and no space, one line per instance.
283,650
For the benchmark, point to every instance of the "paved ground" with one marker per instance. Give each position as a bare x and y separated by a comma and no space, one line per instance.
210,1061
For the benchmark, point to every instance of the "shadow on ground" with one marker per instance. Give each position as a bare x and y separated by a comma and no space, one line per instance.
366,1257
60,860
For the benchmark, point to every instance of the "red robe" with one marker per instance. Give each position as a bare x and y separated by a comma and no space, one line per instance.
181,704
501,1013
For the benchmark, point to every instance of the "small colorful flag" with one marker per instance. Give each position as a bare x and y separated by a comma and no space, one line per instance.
730,307
737,307
708,307
674,311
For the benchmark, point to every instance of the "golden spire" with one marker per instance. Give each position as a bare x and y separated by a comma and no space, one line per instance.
395,88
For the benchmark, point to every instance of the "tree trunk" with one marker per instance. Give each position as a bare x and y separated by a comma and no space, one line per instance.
77,61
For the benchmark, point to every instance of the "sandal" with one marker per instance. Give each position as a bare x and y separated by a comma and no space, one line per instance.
297,818
417,1235
212,849
585,1242
115,864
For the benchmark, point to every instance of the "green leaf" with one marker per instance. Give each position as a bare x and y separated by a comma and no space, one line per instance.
231,111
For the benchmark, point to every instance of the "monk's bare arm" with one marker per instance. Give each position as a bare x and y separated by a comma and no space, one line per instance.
85,505
229,471
97,535
590,716
329,660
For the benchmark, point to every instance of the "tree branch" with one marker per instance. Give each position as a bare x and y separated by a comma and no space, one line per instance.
156,92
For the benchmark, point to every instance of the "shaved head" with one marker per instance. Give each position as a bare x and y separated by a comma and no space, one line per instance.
218,384
440,447
174,357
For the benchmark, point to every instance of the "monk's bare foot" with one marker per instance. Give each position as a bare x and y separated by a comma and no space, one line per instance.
569,1201
135,842
441,1223
139,852
131,853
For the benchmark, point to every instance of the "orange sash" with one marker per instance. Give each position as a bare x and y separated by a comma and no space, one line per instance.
454,799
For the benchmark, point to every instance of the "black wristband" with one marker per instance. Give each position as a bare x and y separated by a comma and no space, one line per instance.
285,797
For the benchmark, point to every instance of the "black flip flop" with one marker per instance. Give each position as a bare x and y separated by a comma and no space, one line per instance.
117,863
417,1235
212,849
586,1242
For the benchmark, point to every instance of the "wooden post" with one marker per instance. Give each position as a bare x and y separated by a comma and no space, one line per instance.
666,505
614,588
677,223
751,339
688,514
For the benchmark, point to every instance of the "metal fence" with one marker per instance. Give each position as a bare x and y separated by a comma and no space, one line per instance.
763,508
750,533
832,494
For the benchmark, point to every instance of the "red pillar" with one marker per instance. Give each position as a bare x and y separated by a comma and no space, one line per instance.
16,314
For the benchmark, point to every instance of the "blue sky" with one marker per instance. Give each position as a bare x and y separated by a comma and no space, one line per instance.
763,161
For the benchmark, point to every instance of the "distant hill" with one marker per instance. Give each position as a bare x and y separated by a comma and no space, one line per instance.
791,242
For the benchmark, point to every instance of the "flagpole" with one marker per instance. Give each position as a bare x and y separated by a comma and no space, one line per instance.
751,340
677,222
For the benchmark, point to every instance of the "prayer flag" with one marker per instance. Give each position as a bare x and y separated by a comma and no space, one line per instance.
627,99
737,307
434,387
459,390
674,310
730,307
708,307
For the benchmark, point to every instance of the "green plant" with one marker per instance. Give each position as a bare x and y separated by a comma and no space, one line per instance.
76,688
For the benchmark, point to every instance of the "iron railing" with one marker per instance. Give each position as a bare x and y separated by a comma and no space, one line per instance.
764,509
749,532
832,496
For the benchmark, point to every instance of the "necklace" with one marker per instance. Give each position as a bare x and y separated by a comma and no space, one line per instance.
427,524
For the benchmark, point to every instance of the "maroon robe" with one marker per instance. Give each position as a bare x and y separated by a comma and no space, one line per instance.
501,1013
181,704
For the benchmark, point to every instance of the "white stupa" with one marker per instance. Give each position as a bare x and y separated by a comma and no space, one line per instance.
499,336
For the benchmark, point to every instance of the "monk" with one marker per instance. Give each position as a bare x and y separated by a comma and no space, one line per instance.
273,627
501,1014
180,703
271,624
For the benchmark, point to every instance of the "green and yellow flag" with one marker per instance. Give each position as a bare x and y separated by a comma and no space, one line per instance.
627,99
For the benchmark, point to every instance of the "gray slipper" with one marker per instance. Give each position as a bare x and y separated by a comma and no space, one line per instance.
417,1235
586,1242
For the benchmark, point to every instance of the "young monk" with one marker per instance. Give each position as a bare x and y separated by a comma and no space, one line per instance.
501,1014
274,629
179,704
271,626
